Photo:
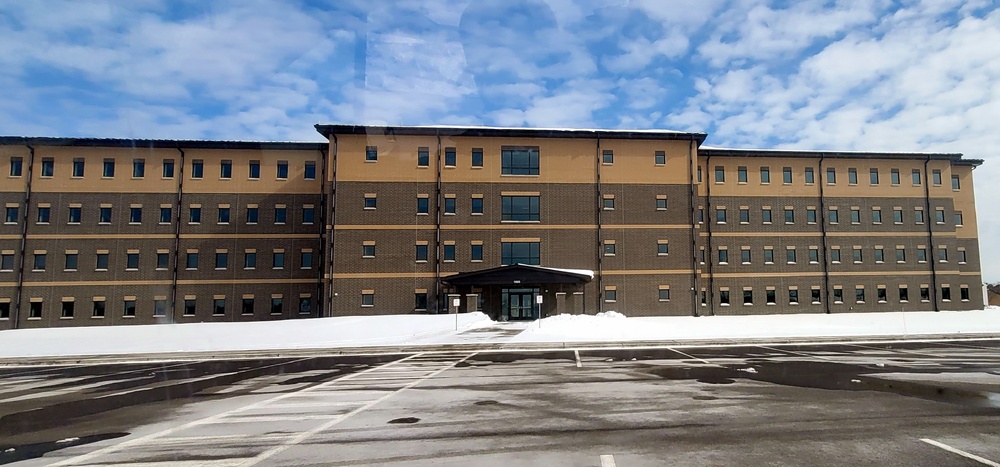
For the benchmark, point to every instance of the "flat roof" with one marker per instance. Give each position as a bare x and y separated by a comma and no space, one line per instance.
508,132
161,143
734,152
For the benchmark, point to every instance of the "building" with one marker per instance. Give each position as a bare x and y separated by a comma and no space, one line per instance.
519,223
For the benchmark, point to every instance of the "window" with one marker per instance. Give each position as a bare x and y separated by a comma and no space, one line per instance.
226,169
945,293
610,248
72,260
129,308
48,167
744,216
221,260
834,216
859,294
308,214
368,298
135,215
520,253
904,294
166,214
660,158
955,183
160,307
371,153
918,216
810,176
741,174
873,176
39,263
16,166
254,170
477,157
309,172
662,248
936,177
132,261
925,293
450,206
194,215
939,216
609,157
765,215
852,176
218,306
11,216
67,308
720,215
894,176
723,256
720,174
922,255
815,295
748,297
813,255
699,174
770,296
253,213
476,252
422,205
768,256
811,215
793,296
7,262
450,157
609,203
78,165
661,203
610,295
281,172
168,168
421,253
191,261
916,177
835,255
371,201
520,208
838,295
663,294
449,252
855,216
35,310
280,214
897,216
961,257
831,176
880,294
138,168
197,168
99,308
879,255
420,301
423,157
790,255
943,255
745,255
789,216
857,255
900,255
162,260
305,305
519,161
250,259
109,168
876,216
276,305
786,175
75,214
368,250
246,307
477,206
963,293
278,259
102,262
724,297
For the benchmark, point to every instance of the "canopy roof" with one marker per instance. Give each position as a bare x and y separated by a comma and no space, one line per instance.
521,274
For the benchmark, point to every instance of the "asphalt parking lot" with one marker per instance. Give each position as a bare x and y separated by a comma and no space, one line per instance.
933,403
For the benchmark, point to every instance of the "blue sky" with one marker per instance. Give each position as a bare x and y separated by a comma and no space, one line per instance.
900,75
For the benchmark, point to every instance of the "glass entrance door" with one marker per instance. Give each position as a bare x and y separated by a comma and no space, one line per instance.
519,304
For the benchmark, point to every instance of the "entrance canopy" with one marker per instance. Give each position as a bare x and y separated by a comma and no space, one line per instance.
517,274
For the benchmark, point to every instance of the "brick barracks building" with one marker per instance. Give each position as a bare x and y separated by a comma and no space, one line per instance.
518,223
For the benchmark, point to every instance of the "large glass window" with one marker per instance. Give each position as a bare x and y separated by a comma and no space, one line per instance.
519,161
520,253
520,208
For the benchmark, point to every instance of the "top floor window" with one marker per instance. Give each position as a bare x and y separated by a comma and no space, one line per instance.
477,157
138,168
936,177
16,166
916,177
955,183
78,165
450,157
109,168
226,169
873,176
254,172
48,166
765,175
894,176
852,176
786,174
371,153
423,157
810,177
519,161
720,174
168,168
609,157
310,171
831,175
197,168
282,170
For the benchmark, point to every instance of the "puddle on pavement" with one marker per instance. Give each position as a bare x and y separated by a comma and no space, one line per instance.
404,420
705,398
830,376
10,454
487,403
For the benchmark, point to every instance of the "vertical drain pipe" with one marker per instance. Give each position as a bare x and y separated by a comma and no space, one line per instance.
177,236
321,271
694,231
332,228
24,238
600,212
931,257
437,229
822,226
708,246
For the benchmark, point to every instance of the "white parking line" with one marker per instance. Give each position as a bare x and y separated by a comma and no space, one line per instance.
981,460
607,460
795,353
702,360
576,353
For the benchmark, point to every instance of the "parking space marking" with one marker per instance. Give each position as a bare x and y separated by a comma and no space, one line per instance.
702,360
576,353
792,352
607,460
900,351
981,460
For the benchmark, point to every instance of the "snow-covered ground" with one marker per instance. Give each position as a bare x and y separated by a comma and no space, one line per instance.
473,328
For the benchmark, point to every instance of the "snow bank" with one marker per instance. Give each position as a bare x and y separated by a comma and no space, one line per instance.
613,326
348,331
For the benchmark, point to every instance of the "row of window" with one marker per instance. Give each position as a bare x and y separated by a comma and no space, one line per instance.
74,214
513,208
160,306
857,256
71,260
833,215
47,168
860,296
514,160
809,176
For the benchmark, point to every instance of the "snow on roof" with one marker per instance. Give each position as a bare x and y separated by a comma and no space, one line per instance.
579,272
818,151
508,128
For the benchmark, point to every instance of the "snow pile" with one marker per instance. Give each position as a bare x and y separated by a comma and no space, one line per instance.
590,328
347,331
609,314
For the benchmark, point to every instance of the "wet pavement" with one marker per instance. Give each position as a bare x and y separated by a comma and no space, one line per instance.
930,403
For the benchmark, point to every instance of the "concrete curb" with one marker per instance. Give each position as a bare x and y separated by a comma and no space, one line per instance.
474,347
